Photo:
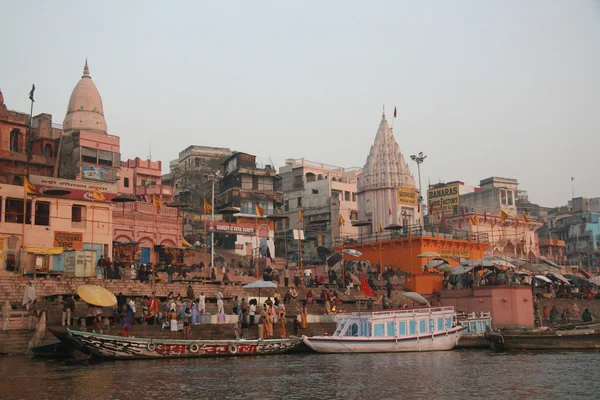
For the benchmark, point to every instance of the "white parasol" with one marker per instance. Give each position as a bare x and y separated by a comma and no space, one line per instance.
416,297
352,252
461,269
543,278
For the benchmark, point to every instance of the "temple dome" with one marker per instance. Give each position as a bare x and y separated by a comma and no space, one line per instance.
85,109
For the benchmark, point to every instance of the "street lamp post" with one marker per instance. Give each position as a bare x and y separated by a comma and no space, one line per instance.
419,160
216,176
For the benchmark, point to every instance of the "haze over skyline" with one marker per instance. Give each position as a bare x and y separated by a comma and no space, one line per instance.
504,88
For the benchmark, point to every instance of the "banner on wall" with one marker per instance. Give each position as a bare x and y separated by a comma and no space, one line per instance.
98,173
68,240
76,190
443,199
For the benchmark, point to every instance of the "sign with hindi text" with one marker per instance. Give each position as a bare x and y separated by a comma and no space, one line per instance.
68,240
446,253
407,196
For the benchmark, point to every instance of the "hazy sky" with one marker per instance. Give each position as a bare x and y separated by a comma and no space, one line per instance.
505,88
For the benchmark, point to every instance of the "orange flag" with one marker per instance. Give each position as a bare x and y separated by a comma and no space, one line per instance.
260,211
503,216
525,219
207,207
342,220
97,194
472,221
476,219
300,216
29,187
157,203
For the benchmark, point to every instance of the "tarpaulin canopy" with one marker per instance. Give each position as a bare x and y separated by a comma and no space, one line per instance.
185,243
44,250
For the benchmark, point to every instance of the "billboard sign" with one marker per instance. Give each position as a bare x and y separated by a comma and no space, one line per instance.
407,196
444,198
68,240
98,173
77,190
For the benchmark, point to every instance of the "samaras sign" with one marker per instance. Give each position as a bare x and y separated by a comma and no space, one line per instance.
407,196
443,199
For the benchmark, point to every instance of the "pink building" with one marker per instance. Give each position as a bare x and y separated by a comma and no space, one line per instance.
142,179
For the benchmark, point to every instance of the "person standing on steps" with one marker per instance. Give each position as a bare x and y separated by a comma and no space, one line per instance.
286,276
68,310
220,307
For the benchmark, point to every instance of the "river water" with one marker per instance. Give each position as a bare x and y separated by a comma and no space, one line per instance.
452,375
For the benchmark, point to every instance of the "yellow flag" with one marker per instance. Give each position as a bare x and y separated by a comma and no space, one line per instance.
157,203
525,219
299,216
472,221
207,207
260,211
476,219
503,216
29,187
98,195
380,228
516,221
342,220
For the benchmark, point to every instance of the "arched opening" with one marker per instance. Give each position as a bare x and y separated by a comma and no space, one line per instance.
334,179
17,181
310,177
14,140
48,152
320,177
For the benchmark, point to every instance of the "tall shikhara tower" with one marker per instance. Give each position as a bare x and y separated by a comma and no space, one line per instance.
386,188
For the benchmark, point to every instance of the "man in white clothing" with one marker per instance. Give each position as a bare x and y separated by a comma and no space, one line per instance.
307,275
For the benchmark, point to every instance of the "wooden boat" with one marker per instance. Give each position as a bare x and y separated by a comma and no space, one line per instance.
580,338
53,350
129,348
390,331
476,325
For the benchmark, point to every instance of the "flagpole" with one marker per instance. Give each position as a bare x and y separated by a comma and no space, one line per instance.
342,251
256,274
212,220
23,252
205,237
153,244
93,259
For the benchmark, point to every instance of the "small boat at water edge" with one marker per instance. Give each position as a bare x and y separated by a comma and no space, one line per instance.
53,350
476,325
391,331
580,338
130,348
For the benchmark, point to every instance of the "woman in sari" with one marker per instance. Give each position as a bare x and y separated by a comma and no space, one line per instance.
269,326
304,322
282,320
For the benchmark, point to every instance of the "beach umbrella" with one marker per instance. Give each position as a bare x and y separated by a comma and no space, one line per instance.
429,254
96,295
334,259
595,280
352,252
260,284
543,278
461,269
577,280
445,268
415,297
560,277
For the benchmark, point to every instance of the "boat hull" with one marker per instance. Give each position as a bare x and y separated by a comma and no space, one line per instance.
559,340
53,350
126,348
336,344
472,341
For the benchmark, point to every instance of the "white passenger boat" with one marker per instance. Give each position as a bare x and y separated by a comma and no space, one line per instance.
389,331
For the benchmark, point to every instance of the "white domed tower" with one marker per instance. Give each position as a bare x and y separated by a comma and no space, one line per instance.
386,188
85,111
87,151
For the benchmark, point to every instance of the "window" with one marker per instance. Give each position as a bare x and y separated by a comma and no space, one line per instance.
440,323
48,152
390,329
89,155
77,214
347,196
422,325
412,327
299,202
197,161
352,330
431,325
126,182
315,191
14,211
510,198
401,328
379,330
286,205
449,323
42,213
14,140
17,181
246,182
354,197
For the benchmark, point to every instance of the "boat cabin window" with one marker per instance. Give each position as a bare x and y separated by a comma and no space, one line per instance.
472,327
401,328
449,323
412,327
422,325
440,323
379,330
352,330
365,329
431,325
390,329
340,328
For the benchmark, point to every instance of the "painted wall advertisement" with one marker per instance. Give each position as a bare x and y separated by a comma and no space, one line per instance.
76,190
443,199
407,196
68,240
446,253
98,173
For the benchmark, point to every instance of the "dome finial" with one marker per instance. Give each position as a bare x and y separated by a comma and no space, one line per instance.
86,70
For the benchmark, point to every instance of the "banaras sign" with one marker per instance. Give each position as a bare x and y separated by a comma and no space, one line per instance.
407,196
443,199
231,228
68,240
